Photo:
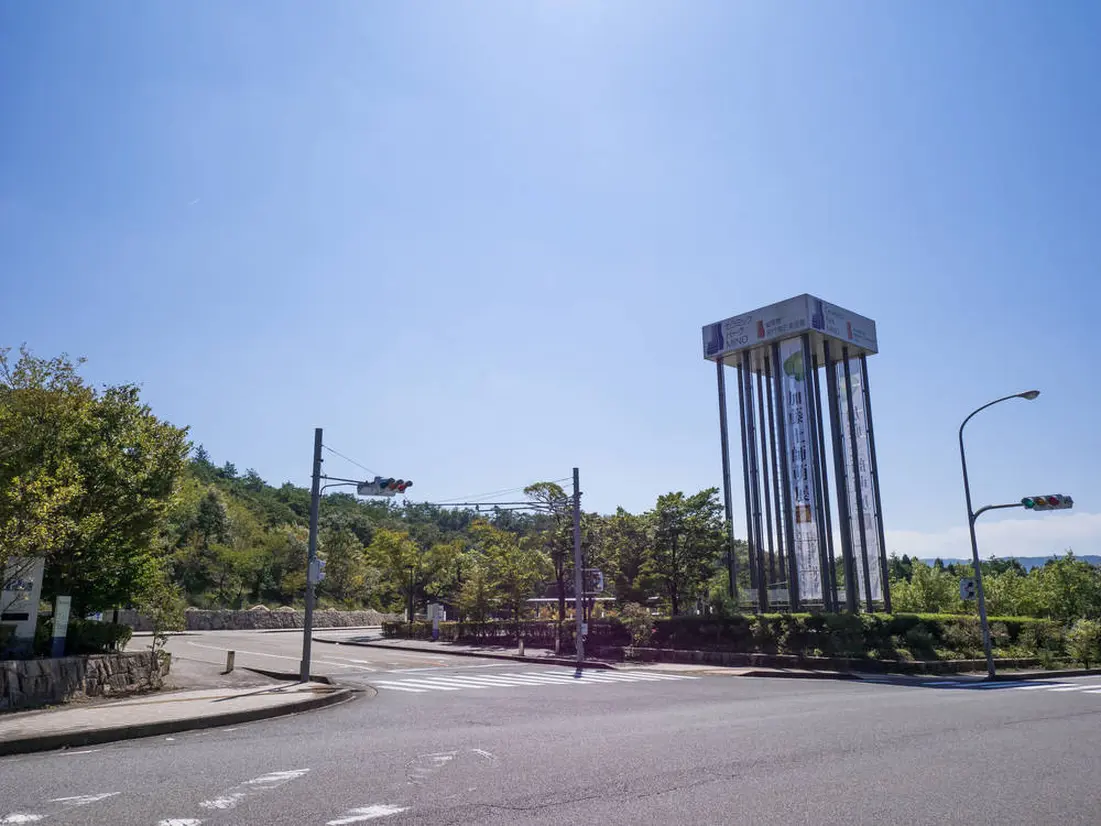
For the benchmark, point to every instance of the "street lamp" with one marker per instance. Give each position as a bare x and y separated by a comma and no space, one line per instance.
1028,395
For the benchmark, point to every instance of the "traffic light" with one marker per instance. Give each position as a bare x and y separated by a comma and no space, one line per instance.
1051,502
383,486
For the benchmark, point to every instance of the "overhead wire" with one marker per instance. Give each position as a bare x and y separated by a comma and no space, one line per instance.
475,496
348,459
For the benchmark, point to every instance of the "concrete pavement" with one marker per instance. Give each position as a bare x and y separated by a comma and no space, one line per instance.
708,751
82,724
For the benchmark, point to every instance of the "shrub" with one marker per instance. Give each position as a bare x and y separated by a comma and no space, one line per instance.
82,637
638,622
1084,642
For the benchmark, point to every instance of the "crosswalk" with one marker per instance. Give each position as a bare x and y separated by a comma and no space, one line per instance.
526,679
1023,685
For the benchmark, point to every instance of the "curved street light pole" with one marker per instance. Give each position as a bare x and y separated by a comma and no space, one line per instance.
988,649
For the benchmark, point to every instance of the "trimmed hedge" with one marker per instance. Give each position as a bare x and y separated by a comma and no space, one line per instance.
83,637
536,633
878,636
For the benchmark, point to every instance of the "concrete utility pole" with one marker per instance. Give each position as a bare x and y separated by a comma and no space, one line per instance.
311,557
578,578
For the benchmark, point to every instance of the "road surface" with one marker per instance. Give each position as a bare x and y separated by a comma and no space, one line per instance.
470,742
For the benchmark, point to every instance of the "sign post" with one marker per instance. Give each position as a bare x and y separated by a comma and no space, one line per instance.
61,626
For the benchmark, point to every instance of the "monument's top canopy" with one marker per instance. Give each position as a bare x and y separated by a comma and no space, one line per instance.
822,321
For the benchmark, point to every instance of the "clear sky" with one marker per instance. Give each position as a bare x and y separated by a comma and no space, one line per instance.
476,241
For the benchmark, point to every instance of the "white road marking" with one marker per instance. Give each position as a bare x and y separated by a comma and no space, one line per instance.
418,684
367,813
83,799
488,755
264,782
315,660
180,821
169,739
1076,687
17,817
457,682
1040,686
84,751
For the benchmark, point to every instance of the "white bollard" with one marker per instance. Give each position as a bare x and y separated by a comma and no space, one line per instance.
521,646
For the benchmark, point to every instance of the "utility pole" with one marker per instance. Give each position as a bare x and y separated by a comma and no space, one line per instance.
578,579
311,557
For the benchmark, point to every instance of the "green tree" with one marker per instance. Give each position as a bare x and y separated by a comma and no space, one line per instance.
86,477
476,594
1066,589
688,541
345,566
628,542
930,589
398,560
1084,642
557,535
516,567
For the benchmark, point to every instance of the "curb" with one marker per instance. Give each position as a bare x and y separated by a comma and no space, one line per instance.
49,742
490,656
806,675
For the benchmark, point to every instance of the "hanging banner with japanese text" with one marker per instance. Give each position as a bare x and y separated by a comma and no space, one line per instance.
802,508
866,546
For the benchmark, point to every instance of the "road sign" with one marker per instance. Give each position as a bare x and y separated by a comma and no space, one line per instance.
967,588
594,581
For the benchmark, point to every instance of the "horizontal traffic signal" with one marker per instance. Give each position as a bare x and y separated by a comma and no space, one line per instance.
1050,502
383,486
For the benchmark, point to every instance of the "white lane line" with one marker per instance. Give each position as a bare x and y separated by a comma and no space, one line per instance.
1040,686
400,687
180,821
367,813
1095,691
1076,687
20,817
82,751
488,755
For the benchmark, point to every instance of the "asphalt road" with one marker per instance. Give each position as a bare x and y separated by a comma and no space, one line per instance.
509,743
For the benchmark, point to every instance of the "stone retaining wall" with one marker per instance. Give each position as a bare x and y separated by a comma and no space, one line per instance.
259,618
26,683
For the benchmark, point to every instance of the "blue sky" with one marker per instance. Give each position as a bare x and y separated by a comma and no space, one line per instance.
476,242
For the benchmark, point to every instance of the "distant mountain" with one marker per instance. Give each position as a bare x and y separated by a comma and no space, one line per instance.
1028,562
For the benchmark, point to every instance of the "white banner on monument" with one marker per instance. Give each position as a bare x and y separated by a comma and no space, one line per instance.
869,548
803,509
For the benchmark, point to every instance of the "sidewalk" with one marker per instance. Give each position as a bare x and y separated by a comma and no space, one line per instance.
493,652
153,714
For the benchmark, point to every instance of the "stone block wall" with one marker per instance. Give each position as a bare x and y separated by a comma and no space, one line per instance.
25,683
260,618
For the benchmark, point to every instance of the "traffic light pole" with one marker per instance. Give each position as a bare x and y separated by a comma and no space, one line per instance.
578,586
988,649
311,557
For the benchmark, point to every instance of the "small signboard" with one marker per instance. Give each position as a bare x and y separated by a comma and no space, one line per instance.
967,588
20,591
